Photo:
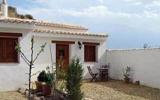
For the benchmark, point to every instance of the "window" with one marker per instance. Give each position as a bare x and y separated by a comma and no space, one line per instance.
7,50
8,54
90,53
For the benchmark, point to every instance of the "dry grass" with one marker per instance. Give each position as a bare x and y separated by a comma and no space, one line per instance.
118,90
112,90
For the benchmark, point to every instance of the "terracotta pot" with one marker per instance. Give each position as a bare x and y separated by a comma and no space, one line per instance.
39,86
46,90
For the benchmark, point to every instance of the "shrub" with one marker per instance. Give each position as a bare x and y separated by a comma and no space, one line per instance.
28,16
74,80
45,77
49,79
41,76
61,74
126,74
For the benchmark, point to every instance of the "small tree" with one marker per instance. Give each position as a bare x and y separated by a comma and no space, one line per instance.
126,74
74,80
30,62
145,46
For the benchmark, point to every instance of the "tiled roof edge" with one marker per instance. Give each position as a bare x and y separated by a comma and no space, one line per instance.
69,33
41,23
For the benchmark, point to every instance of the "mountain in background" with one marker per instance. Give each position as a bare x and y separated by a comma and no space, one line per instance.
12,12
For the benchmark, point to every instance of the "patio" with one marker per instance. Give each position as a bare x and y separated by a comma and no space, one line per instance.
111,90
118,90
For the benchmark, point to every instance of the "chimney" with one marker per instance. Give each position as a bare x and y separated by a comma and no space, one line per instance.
4,8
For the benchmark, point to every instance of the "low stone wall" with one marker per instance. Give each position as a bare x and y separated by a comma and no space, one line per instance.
144,63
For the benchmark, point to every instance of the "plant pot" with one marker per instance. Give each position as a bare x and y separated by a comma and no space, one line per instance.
127,80
39,86
46,90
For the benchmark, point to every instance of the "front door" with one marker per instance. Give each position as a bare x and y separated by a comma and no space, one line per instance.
62,56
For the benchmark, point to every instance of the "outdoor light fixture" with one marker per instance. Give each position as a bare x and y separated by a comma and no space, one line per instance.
79,44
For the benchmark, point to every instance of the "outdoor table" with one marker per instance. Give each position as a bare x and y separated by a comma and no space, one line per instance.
103,74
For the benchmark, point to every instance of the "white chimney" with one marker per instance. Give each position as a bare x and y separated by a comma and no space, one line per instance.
4,8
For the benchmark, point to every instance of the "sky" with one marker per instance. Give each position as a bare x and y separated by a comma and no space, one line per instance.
129,23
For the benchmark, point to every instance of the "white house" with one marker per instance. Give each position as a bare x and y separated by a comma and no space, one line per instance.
63,40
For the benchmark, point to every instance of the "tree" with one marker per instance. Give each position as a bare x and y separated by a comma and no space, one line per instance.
30,62
28,16
74,80
145,45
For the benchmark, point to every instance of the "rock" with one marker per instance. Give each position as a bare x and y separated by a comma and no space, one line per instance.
88,99
26,93
137,82
22,90
42,98
37,98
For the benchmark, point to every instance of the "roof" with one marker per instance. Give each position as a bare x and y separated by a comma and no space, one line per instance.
49,24
71,33
40,23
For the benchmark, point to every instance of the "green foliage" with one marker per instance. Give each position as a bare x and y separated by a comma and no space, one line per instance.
41,76
74,80
46,77
126,72
49,79
28,16
61,85
61,74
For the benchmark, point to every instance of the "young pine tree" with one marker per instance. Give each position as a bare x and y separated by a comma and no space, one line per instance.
74,80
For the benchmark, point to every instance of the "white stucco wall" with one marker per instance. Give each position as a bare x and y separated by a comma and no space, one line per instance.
45,59
101,59
145,65
14,75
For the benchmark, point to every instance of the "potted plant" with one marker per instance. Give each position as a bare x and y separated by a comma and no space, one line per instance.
45,82
126,74
47,86
41,78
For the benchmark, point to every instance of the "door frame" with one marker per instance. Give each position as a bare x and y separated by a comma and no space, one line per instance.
63,43
65,51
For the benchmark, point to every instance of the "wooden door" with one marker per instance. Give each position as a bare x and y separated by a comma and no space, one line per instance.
62,56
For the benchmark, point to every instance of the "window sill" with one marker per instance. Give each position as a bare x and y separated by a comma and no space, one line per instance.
9,63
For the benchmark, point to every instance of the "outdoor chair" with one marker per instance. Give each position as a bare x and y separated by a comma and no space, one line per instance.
94,75
104,76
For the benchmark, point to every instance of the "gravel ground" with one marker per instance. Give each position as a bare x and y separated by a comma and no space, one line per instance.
11,96
112,90
118,90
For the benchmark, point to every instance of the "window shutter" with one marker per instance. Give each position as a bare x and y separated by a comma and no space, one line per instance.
7,50
8,42
11,54
1,49
90,53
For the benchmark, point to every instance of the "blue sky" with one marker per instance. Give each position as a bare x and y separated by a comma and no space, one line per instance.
129,23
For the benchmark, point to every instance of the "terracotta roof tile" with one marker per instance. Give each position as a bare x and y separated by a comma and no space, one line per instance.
70,33
16,21
44,23
41,23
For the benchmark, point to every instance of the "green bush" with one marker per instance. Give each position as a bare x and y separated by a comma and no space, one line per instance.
61,74
46,77
49,79
74,80
42,76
